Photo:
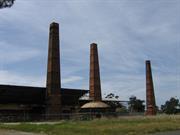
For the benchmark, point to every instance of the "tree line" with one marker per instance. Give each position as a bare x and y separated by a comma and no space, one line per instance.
171,106
6,3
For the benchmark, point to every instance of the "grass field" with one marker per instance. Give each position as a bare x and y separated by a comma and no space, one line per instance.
138,125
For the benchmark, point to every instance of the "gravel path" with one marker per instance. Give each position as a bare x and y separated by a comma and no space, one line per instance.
168,133
12,132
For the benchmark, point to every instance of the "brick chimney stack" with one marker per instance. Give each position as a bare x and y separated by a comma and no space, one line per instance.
150,97
53,84
95,83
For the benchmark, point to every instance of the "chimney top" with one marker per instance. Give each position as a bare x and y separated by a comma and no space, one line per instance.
54,24
148,61
93,44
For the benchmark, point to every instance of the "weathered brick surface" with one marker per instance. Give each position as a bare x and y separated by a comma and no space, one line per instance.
53,84
95,84
150,97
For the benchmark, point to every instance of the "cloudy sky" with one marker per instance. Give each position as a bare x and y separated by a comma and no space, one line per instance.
127,32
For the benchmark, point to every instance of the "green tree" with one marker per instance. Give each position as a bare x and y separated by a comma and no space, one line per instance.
115,103
136,105
171,106
6,3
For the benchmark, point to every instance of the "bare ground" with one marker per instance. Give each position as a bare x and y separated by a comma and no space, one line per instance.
169,133
12,132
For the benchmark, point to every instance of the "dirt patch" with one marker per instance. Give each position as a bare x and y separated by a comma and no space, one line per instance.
169,133
12,132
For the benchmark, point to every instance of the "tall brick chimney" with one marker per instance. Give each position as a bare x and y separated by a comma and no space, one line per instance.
150,97
94,82
53,84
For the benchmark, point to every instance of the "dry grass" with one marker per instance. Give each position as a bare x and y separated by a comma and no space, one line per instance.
138,125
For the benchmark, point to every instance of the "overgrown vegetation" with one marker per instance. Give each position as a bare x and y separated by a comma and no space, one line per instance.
138,125
171,106
136,105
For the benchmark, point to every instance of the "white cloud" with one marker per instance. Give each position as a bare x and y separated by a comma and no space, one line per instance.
12,53
71,79
12,78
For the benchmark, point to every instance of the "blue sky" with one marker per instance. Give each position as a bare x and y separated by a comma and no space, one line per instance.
127,32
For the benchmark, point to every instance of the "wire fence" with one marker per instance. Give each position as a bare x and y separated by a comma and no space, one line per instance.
63,116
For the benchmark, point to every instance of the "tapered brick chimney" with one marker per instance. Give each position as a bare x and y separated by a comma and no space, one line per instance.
95,84
150,97
53,84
